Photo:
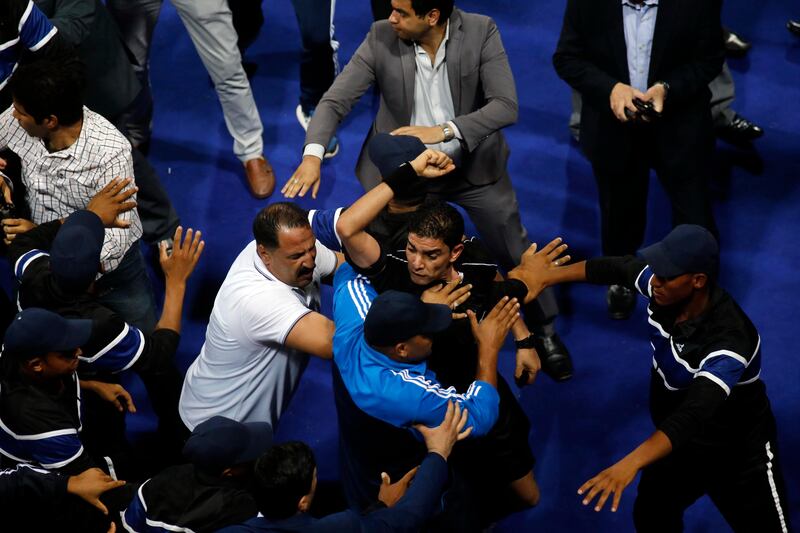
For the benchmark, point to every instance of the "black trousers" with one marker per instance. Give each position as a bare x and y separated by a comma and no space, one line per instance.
623,183
746,486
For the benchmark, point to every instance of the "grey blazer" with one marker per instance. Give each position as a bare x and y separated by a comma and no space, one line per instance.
484,95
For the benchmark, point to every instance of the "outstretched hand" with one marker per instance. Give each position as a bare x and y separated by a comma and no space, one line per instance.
113,200
536,267
90,485
179,265
612,480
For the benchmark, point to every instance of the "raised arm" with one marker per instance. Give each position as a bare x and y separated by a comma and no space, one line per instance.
177,267
363,250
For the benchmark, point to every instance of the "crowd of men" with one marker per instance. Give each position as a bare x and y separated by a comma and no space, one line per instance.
431,435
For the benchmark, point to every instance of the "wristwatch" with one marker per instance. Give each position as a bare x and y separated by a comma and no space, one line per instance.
449,134
525,343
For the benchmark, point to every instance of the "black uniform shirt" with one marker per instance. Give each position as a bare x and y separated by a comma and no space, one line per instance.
114,345
705,385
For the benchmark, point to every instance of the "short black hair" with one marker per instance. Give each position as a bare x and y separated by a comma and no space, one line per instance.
46,88
283,475
277,216
438,220
423,7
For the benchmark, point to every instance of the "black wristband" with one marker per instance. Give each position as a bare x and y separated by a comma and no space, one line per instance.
402,180
525,343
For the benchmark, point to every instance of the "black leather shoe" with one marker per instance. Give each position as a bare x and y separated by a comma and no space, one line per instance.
555,358
735,45
621,302
794,27
739,131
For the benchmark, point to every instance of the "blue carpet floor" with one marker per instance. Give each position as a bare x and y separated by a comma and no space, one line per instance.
586,424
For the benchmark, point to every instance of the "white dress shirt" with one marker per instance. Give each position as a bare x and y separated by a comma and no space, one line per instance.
433,101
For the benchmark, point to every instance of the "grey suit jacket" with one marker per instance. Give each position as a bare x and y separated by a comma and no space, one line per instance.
484,95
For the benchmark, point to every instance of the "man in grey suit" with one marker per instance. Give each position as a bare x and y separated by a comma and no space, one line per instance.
457,106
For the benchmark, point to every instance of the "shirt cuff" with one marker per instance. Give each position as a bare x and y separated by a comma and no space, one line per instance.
317,150
455,129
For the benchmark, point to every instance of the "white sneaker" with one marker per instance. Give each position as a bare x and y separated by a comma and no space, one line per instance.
304,120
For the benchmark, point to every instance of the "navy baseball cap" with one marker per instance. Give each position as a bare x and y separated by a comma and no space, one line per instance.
75,254
35,332
396,316
390,151
219,443
688,249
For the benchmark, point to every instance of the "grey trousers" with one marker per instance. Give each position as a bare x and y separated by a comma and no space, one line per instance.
210,27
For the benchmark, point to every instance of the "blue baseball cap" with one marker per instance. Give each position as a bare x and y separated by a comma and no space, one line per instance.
390,151
220,443
688,249
35,332
396,316
75,254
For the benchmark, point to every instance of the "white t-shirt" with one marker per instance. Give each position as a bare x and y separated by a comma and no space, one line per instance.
244,371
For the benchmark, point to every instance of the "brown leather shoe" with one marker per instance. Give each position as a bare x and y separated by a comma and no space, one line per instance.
260,177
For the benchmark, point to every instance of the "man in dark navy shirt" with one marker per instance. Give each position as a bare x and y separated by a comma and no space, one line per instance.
715,431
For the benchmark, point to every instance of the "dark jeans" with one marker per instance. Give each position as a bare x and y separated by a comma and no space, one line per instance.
127,291
623,184
319,63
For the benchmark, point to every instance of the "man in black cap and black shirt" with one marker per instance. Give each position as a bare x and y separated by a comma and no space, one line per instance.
56,264
209,493
715,432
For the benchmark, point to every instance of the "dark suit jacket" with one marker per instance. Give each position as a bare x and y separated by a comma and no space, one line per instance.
482,86
687,53
87,25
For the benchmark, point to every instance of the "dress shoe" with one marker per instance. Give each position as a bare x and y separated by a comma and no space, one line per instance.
621,302
736,46
554,356
794,27
260,177
739,131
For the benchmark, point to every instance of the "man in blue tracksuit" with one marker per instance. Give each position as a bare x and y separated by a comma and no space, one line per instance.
383,386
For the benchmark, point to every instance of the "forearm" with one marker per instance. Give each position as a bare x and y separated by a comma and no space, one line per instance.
654,448
702,400
520,330
173,306
487,365
357,217
566,274
535,281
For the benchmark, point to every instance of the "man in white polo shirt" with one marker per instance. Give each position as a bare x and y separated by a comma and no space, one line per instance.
264,325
